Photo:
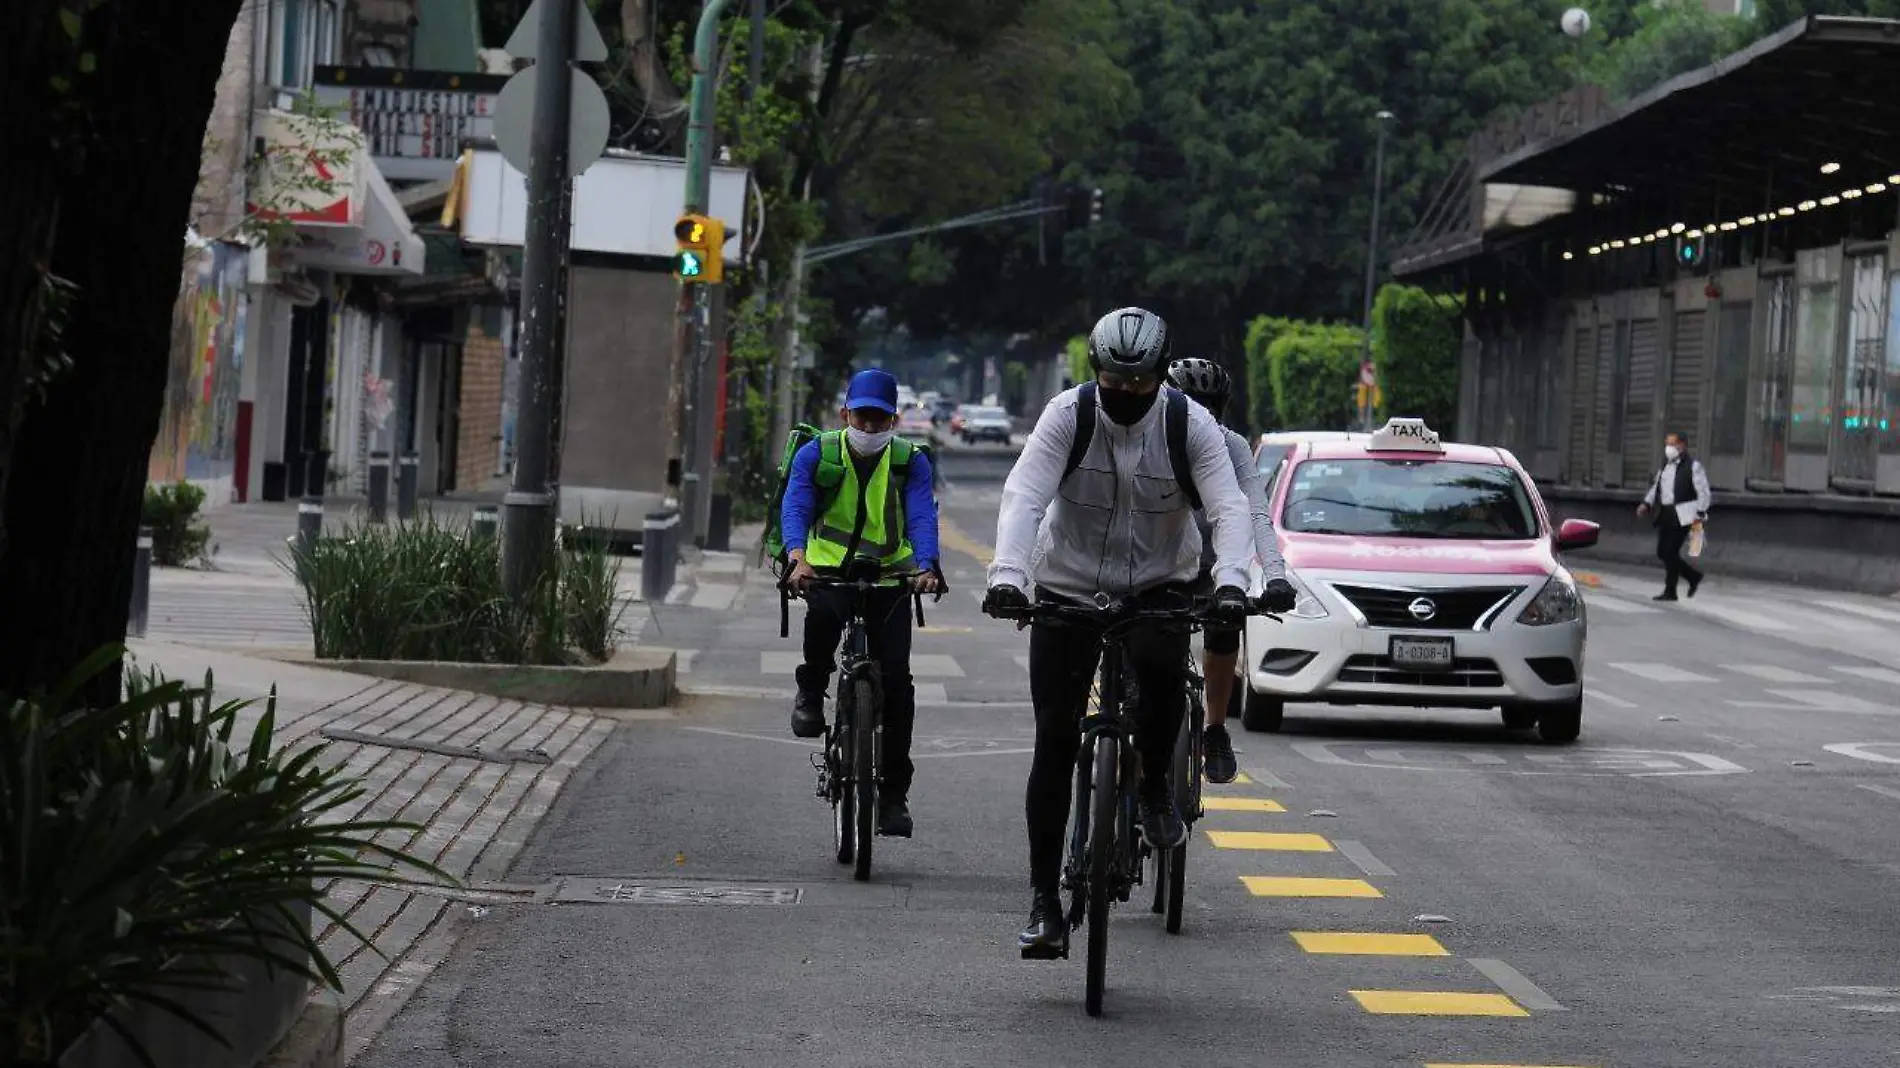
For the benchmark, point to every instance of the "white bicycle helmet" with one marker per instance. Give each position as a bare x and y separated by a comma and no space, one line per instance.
1129,341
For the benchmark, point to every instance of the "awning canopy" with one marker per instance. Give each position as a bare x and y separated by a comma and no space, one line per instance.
384,242
1804,113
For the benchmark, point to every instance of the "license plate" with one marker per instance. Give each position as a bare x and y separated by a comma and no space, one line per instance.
1423,654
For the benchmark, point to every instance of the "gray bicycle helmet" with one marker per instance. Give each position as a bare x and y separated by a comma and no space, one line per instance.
1203,380
1129,341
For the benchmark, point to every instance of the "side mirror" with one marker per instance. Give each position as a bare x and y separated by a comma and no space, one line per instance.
1576,534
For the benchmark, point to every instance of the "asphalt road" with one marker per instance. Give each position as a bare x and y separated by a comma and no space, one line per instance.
1705,879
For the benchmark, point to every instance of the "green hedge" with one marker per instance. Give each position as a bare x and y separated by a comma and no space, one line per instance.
1416,338
1261,334
1313,367
1078,352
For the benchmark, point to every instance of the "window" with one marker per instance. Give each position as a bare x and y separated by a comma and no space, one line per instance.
304,35
1860,400
1888,418
1772,388
1729,421
1409,499
1816,316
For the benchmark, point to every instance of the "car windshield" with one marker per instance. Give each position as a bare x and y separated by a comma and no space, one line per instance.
987,413
1409,499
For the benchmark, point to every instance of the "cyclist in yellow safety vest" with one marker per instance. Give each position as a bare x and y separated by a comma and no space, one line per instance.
882,507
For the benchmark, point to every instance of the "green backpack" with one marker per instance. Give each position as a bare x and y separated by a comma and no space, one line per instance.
829,475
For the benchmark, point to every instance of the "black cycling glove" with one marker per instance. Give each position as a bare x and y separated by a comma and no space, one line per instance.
1230,606
1004,600
1279,596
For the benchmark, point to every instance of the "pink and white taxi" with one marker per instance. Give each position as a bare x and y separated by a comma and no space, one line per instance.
1428,577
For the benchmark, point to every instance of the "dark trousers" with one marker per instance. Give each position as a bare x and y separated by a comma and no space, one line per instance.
887,620
1062,661
1670,535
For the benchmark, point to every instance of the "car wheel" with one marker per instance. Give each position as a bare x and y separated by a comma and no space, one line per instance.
1560,724
1519,717
1262,712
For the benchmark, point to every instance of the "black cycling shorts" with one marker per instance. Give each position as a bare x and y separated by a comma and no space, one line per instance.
1220,640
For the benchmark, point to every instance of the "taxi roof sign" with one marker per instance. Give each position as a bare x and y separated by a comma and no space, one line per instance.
1404,435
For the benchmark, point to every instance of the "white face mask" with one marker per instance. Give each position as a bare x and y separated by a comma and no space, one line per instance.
1671,451
865,443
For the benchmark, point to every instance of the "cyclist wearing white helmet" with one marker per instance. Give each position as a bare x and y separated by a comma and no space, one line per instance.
1117,491
1206,382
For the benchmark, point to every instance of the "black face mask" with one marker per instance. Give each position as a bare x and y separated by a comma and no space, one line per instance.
1124,407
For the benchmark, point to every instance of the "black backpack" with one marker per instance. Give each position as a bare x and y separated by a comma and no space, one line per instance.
1175,423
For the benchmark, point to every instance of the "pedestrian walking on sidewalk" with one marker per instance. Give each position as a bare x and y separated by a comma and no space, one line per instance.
1679,495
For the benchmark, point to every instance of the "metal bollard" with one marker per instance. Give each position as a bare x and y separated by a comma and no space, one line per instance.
487,523
141,585
379,486
659,553
719,525
408,474
309,524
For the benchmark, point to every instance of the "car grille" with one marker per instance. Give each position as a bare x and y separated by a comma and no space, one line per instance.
1456,608
1466,673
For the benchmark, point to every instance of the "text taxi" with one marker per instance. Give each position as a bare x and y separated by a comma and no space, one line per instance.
1428,577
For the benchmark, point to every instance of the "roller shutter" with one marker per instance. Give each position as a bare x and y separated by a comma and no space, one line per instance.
1605,388
1583,391
1639,451
1687,370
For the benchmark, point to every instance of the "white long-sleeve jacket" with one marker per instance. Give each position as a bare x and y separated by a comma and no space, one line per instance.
1253,486
1120,524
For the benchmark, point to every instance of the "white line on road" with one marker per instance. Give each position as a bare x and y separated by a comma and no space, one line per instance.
1884,791
780,739
1810,618
1858,750
1617,606
1831,701
1361,856
1268,779
1661,672
1021,662
1886,675
1736,742
934,665
1609,699
1776,674
1752,620
1514,983
1864,610
780,663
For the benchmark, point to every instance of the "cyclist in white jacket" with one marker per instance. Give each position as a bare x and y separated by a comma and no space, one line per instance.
1120,523
1207,384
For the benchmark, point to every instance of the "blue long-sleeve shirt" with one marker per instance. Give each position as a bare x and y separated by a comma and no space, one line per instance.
920,504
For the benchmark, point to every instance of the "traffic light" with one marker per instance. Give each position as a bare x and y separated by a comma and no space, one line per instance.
1095,206
1690,251
702,241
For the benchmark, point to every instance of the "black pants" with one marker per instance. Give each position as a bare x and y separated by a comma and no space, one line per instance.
887,619
1062,661
1670,535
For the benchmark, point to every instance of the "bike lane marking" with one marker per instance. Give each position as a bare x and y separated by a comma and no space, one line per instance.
1270,840
1241,804
1372,944
1436,1003
1307,886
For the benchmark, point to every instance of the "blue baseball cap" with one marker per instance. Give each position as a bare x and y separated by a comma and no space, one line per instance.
872,389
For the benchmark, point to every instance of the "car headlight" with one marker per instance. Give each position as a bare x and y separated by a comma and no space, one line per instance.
1306,606
1557,602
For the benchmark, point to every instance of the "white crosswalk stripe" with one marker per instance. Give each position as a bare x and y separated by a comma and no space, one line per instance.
1832,701
1616,605
1876,674
938,665
1771,673
1863,610
1753,620
1661,672
1815,619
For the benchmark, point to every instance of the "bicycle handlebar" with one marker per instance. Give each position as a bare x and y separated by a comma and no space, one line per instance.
1119,616
787,592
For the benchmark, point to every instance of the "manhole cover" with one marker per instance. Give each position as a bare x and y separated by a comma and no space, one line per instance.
641,893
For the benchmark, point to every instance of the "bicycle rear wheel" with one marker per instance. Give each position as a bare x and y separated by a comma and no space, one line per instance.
844,799
1186,780
1105,795
864,772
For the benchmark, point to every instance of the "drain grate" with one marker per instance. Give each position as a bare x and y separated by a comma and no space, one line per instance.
631,892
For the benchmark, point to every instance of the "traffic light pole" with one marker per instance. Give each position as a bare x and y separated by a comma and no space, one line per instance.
697,341
529,503
1372,261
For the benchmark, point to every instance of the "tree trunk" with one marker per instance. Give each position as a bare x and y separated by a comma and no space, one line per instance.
72,505
29,206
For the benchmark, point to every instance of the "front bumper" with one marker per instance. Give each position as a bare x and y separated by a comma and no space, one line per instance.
1341,659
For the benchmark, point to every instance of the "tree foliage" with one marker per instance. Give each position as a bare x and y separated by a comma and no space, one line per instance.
1416,341
1669,38
1314,367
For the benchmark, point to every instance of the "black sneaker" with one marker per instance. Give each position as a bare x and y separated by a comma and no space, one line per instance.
1160,824
1219,764
1047,936
808,714
893,816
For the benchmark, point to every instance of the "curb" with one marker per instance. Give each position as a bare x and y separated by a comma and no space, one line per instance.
632,679
315,1040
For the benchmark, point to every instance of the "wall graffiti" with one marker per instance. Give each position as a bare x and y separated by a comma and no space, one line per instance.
197,437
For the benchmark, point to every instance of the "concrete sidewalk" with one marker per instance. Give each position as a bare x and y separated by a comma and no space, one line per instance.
478,773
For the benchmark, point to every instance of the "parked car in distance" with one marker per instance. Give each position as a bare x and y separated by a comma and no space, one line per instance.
915,423
982,423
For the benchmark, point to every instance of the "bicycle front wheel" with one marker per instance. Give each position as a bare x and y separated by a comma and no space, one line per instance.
1105,795
864,772
1187,798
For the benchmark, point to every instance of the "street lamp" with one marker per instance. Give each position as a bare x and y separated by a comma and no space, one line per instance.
1372,257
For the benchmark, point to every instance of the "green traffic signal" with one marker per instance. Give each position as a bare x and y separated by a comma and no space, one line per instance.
690,265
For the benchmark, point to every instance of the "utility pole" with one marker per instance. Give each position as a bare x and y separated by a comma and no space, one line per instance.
697,339
529,503
1384,119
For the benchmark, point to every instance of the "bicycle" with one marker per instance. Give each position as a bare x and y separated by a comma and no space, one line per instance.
848,763
1107,853
1170,865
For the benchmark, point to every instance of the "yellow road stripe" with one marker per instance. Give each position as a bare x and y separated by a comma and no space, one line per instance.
1370,943
1436,1003
1292,843
1239,780
1241,804
951,536
1302,886
1449,1065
